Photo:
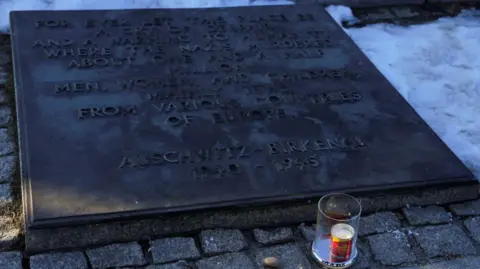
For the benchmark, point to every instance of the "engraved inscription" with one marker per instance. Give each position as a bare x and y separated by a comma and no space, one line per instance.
94,86
212,71
100,62
129,113
219,162
316,145
244,115
80,52
53,24
186,156
217,171
106,111
302,163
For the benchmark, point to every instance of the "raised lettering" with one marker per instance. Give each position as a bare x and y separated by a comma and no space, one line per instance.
179,120
106,111
100,62
53,24
79,87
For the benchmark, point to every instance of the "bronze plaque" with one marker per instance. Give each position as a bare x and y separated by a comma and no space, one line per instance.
135,113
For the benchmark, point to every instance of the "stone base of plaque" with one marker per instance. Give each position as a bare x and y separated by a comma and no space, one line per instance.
41,240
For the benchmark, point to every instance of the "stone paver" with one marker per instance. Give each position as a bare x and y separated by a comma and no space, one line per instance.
465,263
364,255
5,195
378,223
391,248
219,241
9,232
6,142
226,261
473,227
11,260
444,240
3,76
3,95
5,116
290,256
116,255
427,215
7,168
70,260
4,59
471,208
307,231
174,249
176,265
273,236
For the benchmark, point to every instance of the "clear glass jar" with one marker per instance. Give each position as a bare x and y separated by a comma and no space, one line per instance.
338,221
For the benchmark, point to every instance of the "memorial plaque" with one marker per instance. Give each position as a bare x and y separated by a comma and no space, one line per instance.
136,113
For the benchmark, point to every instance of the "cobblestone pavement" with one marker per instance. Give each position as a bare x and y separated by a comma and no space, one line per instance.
431,237
440,237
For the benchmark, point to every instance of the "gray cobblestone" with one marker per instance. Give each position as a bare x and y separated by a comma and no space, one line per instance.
290,256
378,223
3,93
4,58
471,208
176,265
116,255
3,76
308,232
11,260
219,241
7,168
391,248
473,227
364,255
5,195
174,249
6,142
226,261
70,260
9,232
427,215
444,240
465,263
273,236
5,116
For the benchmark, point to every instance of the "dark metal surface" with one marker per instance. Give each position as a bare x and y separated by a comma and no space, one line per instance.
144,112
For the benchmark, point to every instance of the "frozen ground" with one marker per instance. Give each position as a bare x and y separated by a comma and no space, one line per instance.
435,66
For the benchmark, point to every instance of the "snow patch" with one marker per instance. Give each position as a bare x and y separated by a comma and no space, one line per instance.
436,68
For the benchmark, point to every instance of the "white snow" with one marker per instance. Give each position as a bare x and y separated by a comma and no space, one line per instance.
435,66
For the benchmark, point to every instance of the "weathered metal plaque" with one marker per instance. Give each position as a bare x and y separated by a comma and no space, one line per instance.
142,112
